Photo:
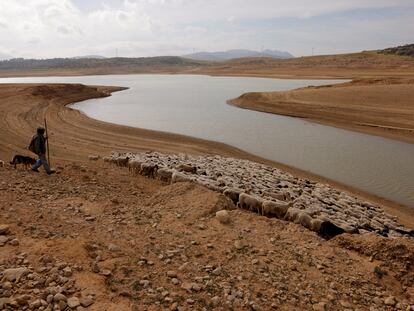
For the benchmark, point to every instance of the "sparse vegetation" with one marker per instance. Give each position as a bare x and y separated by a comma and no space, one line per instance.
403,50
379,273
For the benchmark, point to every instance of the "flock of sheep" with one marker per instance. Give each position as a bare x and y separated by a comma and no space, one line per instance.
267,191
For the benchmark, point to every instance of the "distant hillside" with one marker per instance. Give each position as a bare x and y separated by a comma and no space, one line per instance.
232,54
94,63
89,57
403,50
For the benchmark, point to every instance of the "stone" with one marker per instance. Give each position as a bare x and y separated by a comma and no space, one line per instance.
390,301
86,301
187,286
215,301
238,245
171,274
67,271
321,306
4,229
105,272
217,271
14,274
223,216
73,302
114,248
59,297
14,242
3,240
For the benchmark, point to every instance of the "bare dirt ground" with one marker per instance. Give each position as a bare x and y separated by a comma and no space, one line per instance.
382,106
96,237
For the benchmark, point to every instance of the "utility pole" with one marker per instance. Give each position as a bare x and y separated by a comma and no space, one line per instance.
313,50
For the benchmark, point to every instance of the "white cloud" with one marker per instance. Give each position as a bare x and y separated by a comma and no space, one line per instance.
53,28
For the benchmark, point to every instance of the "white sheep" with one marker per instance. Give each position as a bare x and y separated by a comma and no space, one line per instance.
134,166
292,214
179,177
164,174
250,203
1,163
187,168
276,209
122,161
304,219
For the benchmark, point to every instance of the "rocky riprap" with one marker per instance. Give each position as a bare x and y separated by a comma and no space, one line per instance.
318,200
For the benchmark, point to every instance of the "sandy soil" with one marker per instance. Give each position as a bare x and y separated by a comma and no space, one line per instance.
381,106
74,136
98,234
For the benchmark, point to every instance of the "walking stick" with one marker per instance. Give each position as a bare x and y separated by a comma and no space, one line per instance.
47,144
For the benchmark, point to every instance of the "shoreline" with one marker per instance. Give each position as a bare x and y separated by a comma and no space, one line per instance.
381,107
75,136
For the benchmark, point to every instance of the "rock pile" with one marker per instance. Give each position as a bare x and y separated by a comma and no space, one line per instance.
268,191
48,287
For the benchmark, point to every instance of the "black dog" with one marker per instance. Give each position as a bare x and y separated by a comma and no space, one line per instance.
19,159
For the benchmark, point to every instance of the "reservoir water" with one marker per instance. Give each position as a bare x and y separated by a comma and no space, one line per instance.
196,106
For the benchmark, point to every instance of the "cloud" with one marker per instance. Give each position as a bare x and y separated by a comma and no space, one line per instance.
53,28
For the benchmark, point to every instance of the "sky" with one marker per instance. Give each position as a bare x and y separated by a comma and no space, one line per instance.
135,28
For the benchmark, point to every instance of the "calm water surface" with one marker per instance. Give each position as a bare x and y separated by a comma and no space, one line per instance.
196,106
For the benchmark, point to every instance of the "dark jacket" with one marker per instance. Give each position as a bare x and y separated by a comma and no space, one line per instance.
39,144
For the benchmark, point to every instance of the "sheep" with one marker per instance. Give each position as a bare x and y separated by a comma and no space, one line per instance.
250,203
107,159
187,168
304,219
276,209
281,196
164,174
233,194
94,157
292,214
148,169
1,163
179,177
122,161
325,228
134,166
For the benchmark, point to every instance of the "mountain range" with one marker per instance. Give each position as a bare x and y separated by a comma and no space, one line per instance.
231,54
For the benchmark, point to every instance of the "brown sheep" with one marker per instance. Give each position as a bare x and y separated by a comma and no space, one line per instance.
187,168
233,194
149,169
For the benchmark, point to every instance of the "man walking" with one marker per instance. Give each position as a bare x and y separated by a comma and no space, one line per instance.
38,146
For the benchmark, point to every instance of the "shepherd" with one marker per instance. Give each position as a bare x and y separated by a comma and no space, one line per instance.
38,146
